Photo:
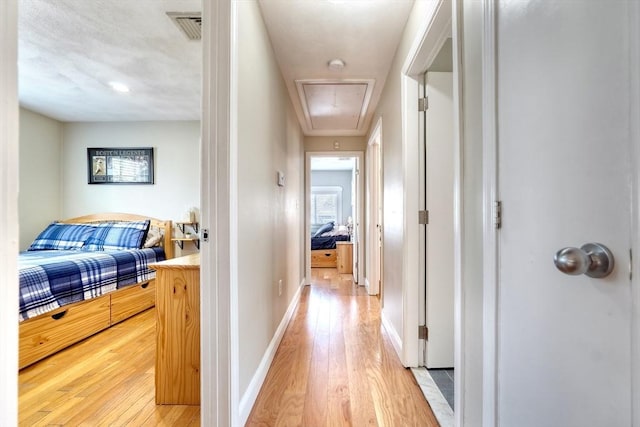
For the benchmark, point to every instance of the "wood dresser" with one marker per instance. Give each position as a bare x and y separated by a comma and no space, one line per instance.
344,257
178,331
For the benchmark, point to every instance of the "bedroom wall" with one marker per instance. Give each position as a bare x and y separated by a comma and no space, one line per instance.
270,221
39,199
177,172
336,179
390,109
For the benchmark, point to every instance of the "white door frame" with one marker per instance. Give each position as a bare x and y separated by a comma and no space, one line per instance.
634,25
307,197
426,45
490,240
634,20
373,205
219,357
9,127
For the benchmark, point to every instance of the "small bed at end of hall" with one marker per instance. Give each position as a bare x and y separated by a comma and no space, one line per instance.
323,244
85,274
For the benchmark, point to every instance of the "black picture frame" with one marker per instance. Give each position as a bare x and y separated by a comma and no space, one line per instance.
118,165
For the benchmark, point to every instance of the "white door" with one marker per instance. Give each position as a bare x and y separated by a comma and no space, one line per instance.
439,231
355,218
564,90
374,242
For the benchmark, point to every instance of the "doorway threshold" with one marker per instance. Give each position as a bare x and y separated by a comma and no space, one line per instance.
439,405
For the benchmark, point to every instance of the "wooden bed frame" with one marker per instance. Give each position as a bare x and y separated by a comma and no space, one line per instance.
50,332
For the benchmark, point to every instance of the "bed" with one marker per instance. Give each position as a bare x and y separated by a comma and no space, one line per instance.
85,274
323,244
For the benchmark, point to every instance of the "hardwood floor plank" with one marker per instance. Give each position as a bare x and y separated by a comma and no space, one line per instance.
354,377
339,402
107,379
335,367
315,403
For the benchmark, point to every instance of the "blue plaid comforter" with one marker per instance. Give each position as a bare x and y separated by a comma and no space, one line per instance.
52,279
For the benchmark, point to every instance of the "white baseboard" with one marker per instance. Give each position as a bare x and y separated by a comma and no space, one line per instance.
249,398
393,334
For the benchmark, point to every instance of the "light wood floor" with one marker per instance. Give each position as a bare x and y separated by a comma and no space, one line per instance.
336,365
107,380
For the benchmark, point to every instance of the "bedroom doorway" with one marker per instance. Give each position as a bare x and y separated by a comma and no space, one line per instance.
58,143
334,214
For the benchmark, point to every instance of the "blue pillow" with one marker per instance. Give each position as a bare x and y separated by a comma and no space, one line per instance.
59,236
117,235
326,227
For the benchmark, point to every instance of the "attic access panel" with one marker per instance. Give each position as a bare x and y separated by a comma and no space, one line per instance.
334,105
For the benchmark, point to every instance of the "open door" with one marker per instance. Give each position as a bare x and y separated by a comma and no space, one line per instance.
437,169
355,220
374,214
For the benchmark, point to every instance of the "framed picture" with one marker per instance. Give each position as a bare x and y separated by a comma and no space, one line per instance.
120,165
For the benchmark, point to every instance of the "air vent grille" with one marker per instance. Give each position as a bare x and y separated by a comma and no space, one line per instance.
190,23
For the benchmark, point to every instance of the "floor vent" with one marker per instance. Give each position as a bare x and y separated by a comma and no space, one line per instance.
190,23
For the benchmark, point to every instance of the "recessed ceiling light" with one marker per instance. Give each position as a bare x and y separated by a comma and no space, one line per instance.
119,87
336,64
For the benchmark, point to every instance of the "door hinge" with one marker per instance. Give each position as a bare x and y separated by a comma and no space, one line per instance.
423,104
423,217
423,332
497,214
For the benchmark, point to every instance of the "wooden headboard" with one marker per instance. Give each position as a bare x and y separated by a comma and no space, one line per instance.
165,226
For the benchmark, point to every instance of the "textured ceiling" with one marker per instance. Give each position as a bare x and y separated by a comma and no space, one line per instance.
69,51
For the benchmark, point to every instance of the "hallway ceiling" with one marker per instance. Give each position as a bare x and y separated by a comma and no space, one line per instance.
70,51
307,34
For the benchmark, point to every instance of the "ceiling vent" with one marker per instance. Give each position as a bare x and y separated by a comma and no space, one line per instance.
190,23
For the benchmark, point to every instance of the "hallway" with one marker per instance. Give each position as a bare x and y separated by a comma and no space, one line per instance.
336,365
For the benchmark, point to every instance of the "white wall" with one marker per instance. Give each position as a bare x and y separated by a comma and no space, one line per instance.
270,221
327,143
390,109
40,197
176,170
